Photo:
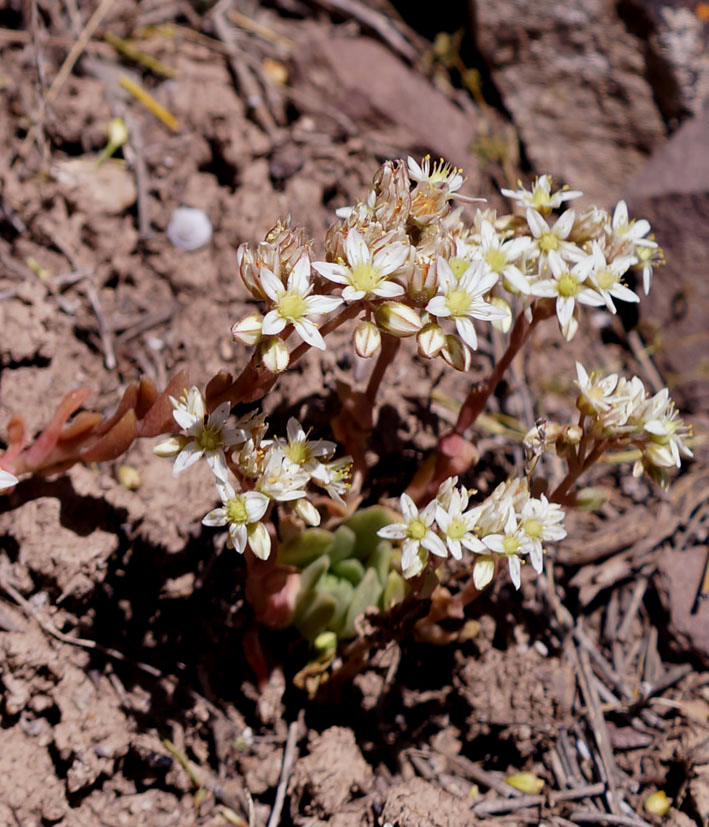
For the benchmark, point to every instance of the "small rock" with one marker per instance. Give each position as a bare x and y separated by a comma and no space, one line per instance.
189,229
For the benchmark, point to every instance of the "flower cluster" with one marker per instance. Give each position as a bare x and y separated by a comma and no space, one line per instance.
415,268
621,412
265,470
510,524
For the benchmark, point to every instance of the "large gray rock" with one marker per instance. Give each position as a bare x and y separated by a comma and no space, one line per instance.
573,80
391,103
672,191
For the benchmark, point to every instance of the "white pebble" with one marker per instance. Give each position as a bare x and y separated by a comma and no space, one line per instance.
189,229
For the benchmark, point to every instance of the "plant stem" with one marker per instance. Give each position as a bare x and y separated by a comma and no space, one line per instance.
560,493
389,349
476,400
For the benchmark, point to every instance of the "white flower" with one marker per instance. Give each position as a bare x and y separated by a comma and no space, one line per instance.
606,276
540,522
336,479
204,439
567,286
596,395
239,511
456,524
553,239
443,174
415,531
365,275
649,255
280,479
626,230
513,543
7,480
541,197
293,304
500,256
461,299
304,454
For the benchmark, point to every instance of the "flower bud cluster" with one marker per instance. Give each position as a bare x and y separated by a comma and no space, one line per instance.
407,257
623,413
263,470
510,524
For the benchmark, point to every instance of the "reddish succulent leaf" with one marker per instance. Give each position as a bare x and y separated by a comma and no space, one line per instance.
16,438
128,401
158,420
116,442
216,386
82,424
44,443
147,396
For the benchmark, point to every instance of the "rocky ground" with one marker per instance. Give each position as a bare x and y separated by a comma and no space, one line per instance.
126,694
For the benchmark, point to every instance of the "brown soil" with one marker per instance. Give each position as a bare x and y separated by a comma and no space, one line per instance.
126,694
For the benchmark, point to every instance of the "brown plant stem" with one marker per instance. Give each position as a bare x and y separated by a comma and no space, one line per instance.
477,397
389,349
254,382
560,493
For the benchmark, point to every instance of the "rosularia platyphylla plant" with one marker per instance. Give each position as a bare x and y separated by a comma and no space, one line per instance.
403,263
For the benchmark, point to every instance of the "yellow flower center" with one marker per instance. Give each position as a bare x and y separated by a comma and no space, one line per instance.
292,306
458,302
416,529
533,528
298,452
236,511
209,439
510,544
496,260
459,266
457,529
606,279
549,241
567,286
364,277
540,197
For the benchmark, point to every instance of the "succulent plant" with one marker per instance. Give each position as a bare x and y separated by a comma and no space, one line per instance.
342,574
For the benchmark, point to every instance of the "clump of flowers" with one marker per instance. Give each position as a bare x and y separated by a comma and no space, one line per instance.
404,262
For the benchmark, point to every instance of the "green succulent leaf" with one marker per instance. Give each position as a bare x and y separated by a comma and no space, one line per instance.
306,547
342,591
365,596
365,525
343,544
380,561
309,579
350,569
395,591
315,615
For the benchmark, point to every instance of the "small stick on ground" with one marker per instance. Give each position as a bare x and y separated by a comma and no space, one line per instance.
289,755
598,724
104,332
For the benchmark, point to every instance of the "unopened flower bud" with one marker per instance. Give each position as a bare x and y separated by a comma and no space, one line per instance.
503,325
431,340
259,540
456,354
590,499
571,434
171,446
367,339
117,132
398,319
657,803
526,782
129,477
248,330
307,512
274,354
